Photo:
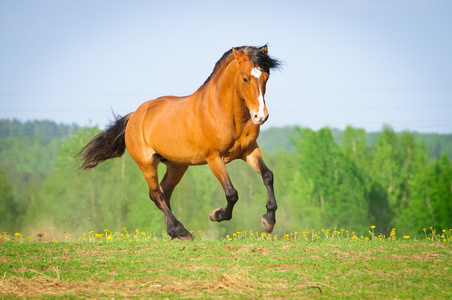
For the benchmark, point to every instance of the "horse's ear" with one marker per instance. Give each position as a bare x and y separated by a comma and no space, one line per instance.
264,50
238,55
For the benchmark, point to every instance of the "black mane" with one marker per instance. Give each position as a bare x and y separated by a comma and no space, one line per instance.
261,60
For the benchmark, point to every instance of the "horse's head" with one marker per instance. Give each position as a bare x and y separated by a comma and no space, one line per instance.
250,82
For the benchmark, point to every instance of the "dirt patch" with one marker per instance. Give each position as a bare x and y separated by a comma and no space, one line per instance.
421,257
237,283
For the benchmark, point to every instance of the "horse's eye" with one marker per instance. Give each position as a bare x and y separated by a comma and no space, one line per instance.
245,80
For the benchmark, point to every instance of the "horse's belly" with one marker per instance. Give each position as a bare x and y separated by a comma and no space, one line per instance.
181,157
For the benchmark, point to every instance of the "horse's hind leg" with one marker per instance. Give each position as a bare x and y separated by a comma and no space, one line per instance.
157,194
219,170
173,175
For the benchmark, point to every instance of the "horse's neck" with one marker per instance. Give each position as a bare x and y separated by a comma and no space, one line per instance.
219,94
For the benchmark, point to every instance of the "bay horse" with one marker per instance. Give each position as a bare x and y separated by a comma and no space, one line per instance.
217,124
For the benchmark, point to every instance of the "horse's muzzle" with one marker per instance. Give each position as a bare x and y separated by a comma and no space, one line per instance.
258,118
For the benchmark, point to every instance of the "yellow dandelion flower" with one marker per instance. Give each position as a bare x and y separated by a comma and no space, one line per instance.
406,236
373,226
17,234
125,228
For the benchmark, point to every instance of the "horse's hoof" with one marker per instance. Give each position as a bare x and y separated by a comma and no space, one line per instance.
185,237
266,226
215,215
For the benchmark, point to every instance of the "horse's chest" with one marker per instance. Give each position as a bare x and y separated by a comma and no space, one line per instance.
240,144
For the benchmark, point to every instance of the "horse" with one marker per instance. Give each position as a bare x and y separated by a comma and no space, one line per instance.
217,124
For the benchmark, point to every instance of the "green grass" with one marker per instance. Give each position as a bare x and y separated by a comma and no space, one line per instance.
242,265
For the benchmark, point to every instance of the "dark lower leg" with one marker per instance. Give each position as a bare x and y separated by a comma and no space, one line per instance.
174,227
218,168
223,214
254,158
268,220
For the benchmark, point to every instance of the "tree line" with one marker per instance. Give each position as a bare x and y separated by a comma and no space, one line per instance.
323,179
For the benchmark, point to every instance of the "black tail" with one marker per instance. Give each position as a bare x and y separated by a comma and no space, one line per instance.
108,144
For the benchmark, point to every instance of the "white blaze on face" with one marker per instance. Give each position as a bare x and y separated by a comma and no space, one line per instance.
260,113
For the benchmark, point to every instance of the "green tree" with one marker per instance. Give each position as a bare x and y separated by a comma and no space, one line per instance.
442,193
389,175
355,147
415,206
336,183
8,205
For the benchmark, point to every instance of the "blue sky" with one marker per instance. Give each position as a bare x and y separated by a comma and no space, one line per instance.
349,62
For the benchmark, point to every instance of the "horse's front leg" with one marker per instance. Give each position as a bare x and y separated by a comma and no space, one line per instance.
254,158
218,168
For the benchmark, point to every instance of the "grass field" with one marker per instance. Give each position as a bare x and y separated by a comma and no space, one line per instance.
243,265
